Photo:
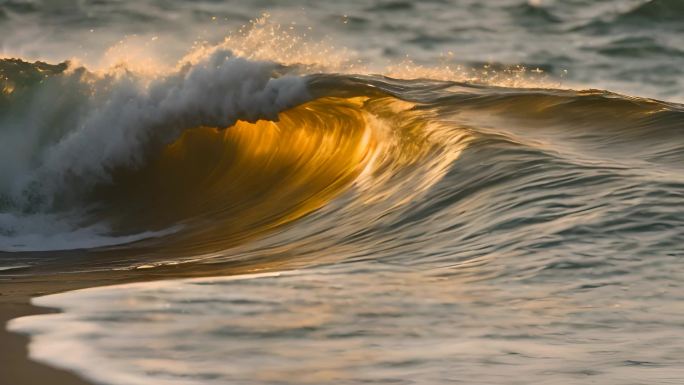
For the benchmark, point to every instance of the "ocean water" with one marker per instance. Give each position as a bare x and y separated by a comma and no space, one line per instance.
348,192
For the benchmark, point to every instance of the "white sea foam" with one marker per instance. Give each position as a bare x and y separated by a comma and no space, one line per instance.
351,324
51,232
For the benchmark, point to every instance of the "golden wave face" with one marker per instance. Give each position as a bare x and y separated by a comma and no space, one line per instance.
219,188
227,185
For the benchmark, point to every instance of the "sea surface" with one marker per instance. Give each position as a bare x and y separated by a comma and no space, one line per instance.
348,192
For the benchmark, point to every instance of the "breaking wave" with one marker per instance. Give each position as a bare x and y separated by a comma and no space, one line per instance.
224,149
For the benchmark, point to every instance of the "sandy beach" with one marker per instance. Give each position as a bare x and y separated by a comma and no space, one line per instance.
17,368
15,301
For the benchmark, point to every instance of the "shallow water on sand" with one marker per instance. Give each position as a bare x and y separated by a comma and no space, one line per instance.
366,323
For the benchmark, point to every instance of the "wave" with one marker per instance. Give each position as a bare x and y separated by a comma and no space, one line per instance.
655,11
120,114
666,13
198,161
534,15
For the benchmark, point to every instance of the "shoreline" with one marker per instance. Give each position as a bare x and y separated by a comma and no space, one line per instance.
17,367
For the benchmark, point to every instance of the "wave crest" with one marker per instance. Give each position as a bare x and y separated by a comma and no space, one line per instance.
73,127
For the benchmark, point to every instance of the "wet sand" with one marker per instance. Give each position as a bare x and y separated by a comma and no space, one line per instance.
15,296
15,366
16,292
